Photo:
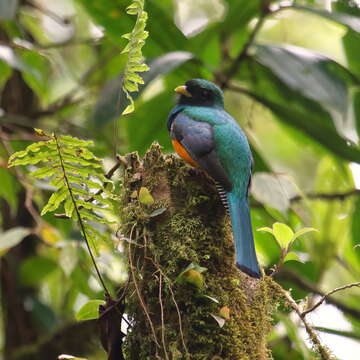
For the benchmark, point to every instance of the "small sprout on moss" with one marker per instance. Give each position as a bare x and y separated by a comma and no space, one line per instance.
221,321
157,212
211,298
69,357
145,197
134,194
235,282
192,275
225,312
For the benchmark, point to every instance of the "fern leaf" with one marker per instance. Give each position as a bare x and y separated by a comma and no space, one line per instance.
135,61
69,207
46,171
55,200
73,141
85,172
76,173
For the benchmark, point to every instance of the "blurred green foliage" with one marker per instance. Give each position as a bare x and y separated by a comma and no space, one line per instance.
295,91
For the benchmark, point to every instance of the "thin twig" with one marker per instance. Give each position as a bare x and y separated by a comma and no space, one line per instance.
82,226
168,282
179,317
327,196
162,317
321,349
303,284
139,294
304,313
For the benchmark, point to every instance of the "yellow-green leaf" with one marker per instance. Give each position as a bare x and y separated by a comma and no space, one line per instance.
303,231
267,229
145,197
283,234
291,256
225,312
193,277
89,311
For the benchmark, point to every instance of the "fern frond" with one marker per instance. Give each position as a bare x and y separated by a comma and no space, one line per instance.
135,61
76,173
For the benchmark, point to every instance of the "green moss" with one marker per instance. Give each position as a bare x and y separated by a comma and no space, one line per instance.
193,229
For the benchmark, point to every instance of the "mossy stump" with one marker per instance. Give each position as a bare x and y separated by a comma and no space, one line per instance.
172,319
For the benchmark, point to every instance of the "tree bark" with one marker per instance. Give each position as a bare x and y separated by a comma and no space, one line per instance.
173,319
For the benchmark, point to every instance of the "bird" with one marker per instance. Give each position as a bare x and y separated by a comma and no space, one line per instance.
208,138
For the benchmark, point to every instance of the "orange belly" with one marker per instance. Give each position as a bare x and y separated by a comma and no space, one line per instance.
183,153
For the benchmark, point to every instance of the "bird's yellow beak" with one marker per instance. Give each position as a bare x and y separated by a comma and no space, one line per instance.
183,91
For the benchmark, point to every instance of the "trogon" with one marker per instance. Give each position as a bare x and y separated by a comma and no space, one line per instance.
207,137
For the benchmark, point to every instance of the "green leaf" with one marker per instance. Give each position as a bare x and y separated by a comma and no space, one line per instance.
266,229
9,189
145,197
283,234
312,75
291,256
12,237
37,73
192,274
89,311
46,171
69,207
296,111
55,200
36,269
303,231
9,57
355,227
5,72
193,277
74,141
350,21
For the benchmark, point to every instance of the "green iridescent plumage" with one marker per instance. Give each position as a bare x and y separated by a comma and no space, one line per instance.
216,142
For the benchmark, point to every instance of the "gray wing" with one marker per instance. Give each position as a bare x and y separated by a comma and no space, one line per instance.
198,140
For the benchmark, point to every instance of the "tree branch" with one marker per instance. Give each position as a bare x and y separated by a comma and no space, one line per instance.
304,313
244,51
321,349
303,284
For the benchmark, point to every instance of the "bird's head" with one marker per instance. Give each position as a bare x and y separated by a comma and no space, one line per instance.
200,92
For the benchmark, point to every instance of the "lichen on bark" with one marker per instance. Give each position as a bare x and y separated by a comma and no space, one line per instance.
173,320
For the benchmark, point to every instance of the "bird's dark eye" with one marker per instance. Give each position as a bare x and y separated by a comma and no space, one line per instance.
205,93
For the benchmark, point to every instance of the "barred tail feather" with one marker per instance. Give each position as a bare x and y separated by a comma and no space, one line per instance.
243,236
